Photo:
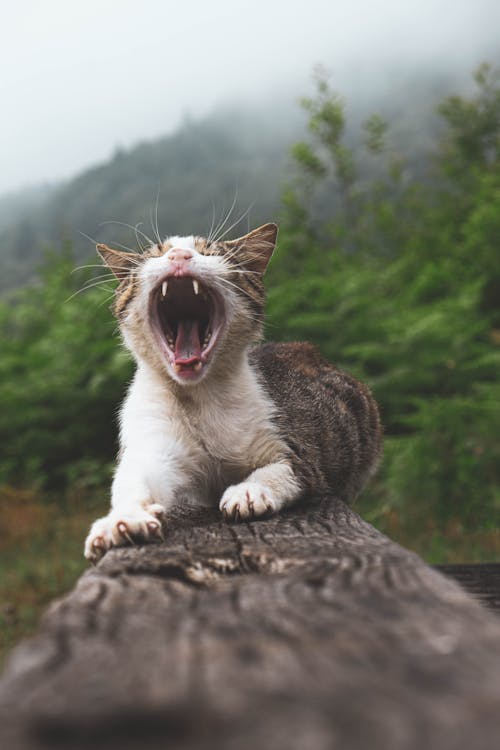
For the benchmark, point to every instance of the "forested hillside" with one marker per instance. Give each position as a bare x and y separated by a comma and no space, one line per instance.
199,169
238,153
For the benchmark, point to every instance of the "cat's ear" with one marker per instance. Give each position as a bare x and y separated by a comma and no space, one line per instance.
117,261
257,246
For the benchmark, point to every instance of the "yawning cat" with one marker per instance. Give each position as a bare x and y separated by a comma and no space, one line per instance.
212,418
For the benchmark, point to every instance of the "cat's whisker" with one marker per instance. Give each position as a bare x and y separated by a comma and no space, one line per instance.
105,273
240,267
209,235
222,224
88,265
235,252
269,323
155,233
154,224
107,299
139,243
127,248
219,224
119,244
245,272
106,277
228,271
229,254
135,229
95,242
103,278
238,288
88,237
98,284
137,261
85,289
235,223
99,280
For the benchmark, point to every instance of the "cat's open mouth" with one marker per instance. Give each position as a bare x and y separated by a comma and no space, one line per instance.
187,318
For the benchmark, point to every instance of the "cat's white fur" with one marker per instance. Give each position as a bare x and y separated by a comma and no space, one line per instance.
220,444
184,243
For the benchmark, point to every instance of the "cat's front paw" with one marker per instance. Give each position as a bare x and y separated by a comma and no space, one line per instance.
247,500
137,525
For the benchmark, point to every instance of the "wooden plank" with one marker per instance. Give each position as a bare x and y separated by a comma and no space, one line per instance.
482,580
307,631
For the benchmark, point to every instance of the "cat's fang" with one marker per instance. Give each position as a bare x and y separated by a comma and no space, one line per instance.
187,323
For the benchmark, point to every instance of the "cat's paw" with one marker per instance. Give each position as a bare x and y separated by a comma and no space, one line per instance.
137,525
247,500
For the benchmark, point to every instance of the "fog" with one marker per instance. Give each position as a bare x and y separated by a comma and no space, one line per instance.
80,79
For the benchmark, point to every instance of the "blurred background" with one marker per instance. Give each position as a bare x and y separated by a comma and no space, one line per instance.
369,130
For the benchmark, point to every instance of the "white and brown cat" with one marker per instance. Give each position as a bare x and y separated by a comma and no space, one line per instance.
211,417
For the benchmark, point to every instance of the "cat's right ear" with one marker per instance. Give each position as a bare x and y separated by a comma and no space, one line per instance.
117,261
258,245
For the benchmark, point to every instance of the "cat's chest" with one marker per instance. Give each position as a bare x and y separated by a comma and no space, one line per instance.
233,432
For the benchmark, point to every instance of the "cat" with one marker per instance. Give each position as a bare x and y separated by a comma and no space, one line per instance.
212,417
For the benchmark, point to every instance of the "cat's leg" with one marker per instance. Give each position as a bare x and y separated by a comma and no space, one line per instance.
147,480
148,477
264,492
135,516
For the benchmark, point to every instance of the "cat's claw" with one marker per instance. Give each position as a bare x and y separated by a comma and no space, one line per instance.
99,544
117,529
247,500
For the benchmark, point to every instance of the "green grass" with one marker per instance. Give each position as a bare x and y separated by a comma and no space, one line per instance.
436,542
41,556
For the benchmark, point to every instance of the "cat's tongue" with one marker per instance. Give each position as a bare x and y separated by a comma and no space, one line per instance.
187,344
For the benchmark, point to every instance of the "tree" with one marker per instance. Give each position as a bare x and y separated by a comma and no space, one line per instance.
401,285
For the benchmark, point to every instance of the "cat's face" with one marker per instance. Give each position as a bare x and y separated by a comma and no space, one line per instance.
189,306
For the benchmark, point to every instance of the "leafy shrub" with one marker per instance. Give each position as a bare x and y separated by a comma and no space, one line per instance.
62,375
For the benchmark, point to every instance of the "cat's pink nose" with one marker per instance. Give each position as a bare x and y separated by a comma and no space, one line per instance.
179,254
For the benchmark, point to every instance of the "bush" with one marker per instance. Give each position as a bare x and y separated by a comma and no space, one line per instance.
62,375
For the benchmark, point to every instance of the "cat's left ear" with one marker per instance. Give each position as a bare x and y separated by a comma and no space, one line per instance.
117,261
258,246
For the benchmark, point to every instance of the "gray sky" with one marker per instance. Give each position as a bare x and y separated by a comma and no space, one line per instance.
79,78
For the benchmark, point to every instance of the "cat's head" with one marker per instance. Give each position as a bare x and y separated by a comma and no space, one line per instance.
189,306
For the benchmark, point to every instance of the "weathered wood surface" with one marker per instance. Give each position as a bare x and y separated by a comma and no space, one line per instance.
308,631
482,580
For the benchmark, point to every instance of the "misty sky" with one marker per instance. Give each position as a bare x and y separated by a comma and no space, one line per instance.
79,78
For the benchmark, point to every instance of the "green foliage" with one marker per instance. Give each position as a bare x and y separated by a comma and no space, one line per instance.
375,131
473,124
402,286
62,375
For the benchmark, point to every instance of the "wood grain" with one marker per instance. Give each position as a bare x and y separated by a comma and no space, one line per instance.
307,631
